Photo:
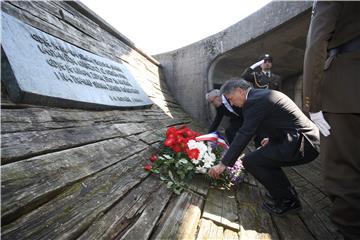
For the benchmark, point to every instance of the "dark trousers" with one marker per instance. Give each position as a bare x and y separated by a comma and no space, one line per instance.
340,154
266,162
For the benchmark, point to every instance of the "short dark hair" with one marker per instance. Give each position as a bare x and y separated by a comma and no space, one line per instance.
231,84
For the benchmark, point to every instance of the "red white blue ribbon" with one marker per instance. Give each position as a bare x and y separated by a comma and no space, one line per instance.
214,137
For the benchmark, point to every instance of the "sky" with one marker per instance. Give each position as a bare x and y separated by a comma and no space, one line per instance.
157,26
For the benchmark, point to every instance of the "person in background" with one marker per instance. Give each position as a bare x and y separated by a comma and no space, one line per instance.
264,78
223,108
331,97
292,140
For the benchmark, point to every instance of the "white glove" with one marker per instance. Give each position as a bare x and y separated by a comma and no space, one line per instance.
255,65
320,122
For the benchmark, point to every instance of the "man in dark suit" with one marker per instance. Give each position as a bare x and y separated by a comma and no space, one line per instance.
223,108
331,96
292,140
264,78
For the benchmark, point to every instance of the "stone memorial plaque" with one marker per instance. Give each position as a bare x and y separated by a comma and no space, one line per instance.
42,69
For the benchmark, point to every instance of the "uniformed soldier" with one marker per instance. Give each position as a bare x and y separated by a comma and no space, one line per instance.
264,78
332,98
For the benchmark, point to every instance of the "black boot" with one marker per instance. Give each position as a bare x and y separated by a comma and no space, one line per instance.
281,207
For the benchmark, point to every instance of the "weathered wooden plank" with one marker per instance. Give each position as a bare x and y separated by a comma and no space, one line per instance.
200,184
66,7
16,146
36,12
70,213
255,223
230,235
180,218
221,207
143,227
312,172
209,230
27,183
33,119
315,211
314,222
292,227
140,208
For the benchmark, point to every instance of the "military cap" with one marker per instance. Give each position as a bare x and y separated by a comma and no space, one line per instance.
266,57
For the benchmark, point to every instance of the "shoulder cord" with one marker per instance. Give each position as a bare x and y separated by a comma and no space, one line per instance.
266,86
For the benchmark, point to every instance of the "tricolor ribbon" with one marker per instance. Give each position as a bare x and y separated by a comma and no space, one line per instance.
214,137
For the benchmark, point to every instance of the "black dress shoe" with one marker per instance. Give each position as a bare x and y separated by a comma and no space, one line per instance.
283,207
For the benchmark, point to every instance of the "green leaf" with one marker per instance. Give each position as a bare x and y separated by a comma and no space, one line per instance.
155,171
177,191
169,184
171,176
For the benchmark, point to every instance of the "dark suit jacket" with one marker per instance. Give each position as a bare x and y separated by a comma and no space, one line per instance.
221,112
273,113
260,80
336,89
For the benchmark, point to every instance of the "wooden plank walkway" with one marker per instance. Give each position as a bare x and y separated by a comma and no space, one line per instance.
237,214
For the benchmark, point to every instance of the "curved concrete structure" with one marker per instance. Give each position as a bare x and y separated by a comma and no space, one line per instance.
279,28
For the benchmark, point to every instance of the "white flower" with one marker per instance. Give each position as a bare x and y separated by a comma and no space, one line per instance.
195,161
192,144
201,170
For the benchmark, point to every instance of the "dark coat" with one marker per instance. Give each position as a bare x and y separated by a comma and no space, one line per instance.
221,112
273,113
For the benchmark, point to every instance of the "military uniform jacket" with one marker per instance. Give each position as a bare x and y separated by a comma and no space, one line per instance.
260,80
275,114
335,89
221,112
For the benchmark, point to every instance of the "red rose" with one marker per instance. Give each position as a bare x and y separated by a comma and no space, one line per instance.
189,133
153,158
193,153
169,142
147,167
170,130
181,140
176,148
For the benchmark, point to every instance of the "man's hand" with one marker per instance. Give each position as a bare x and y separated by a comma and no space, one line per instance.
255,65
216,170
264,141
320,122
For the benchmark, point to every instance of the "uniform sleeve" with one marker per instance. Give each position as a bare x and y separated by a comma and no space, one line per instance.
322,26
248,75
